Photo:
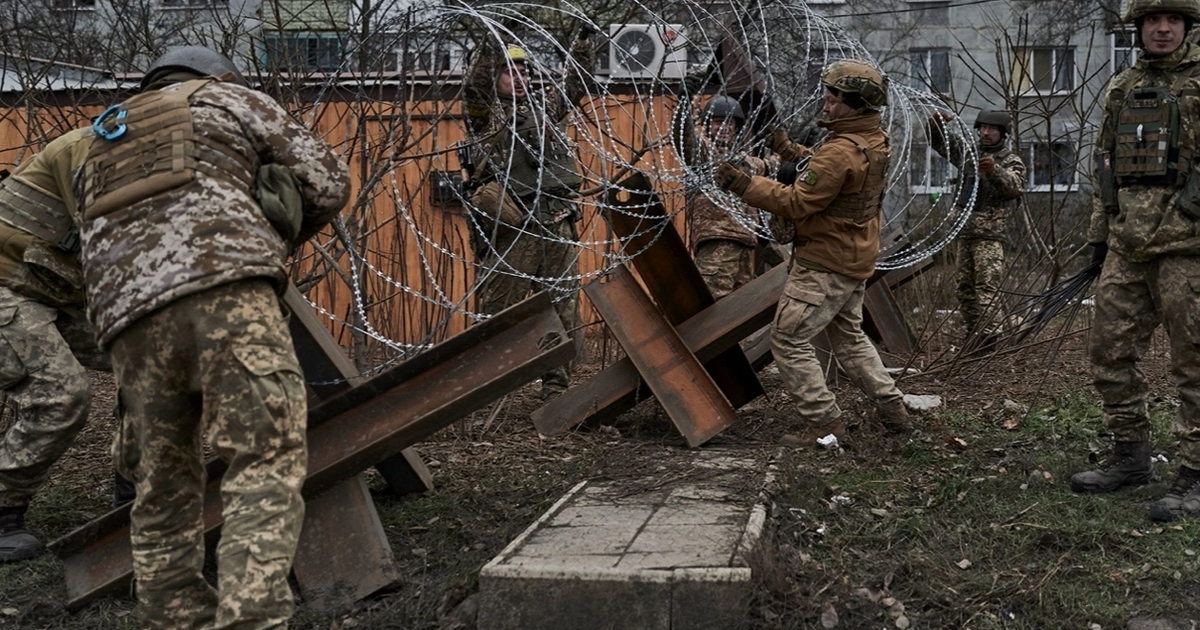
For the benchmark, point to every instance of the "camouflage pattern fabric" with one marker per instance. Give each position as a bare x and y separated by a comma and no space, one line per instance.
49,389
211,231
1132,300
813,301
517,255
219,365
998,192
725,265
980,272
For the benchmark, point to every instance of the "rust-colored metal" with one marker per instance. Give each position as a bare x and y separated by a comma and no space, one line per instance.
710,333
665,266
363,425
685,390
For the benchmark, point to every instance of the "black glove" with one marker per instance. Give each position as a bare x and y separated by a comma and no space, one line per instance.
693,83
1099,252
587,30
786,174
732,178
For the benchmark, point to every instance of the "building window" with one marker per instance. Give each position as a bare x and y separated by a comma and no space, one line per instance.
429,54
71,5
1124,50
1051,165
299,52
1044,70
193,4
930,13
931,69
928,171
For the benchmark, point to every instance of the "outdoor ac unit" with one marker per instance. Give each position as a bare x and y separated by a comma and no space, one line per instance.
645,51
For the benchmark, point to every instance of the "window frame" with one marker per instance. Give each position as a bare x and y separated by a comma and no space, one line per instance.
282,37
1025,70
1131,51
1029,147
75,5
926,56
929,159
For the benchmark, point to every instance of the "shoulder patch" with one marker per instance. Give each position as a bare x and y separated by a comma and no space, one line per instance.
809,177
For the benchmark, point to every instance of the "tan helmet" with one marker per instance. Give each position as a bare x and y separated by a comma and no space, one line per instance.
1139,9
852,76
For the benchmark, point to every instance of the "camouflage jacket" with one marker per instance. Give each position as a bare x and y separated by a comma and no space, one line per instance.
209,231
1150,223
32,266
706,219
523,140
999,191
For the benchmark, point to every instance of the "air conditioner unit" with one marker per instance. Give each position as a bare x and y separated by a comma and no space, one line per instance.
647,51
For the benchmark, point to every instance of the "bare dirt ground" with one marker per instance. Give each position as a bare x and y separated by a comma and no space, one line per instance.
967,524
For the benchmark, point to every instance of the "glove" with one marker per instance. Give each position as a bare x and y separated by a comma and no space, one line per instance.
1099,253
987,165
587,30
732,178
786,174
693,83
780,140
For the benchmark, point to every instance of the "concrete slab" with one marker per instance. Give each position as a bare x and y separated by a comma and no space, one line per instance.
610,557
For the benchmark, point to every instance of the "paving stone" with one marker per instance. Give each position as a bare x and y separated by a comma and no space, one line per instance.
603,558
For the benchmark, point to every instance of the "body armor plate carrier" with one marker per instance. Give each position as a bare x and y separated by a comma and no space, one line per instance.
27,208
1148,148
865,203
159,152
536,157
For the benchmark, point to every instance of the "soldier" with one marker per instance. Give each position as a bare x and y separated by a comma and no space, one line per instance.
183,263
1143,230
981,243
528,180
41,330
835,206
722,246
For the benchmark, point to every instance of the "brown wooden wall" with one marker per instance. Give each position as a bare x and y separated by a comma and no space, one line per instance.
391,148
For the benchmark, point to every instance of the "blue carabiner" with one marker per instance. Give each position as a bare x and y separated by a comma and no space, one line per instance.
98,124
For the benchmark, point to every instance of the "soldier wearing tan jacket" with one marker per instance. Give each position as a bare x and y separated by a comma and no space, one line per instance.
835,205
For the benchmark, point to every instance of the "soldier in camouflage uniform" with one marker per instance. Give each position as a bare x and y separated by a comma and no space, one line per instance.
835,205
722,246
981,243
41,330
1145,230
528,180
183,269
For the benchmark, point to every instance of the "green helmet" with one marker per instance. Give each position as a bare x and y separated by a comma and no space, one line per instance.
1139,9
722,106
994,118
851,76
198,59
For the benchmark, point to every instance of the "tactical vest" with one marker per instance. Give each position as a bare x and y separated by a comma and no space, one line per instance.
28,209
866,202
1150,150
982,197
527,160
159,151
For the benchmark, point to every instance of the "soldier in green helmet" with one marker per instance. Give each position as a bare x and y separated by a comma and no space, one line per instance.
980,253
527,183
1145,232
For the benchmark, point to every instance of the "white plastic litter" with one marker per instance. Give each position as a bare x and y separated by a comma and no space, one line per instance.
922,402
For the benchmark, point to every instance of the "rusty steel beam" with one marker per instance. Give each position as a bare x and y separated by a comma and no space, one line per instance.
617,389
685,390
665,266
365,424
329,371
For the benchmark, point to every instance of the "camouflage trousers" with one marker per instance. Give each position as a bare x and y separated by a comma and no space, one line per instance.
219,365
980,273
1131,301
49,390
813,301
520,262
725,265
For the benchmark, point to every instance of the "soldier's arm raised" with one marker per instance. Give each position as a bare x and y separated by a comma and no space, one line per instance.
1009,177
280,139
815,188
479,85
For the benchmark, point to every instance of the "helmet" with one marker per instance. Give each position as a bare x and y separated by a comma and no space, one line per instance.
199,59
994,118
515,54
852,76
721,106
1139,9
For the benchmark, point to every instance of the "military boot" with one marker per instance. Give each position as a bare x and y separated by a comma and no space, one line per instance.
1183,499
123,490
813,432
1127,465
16,543
894,417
